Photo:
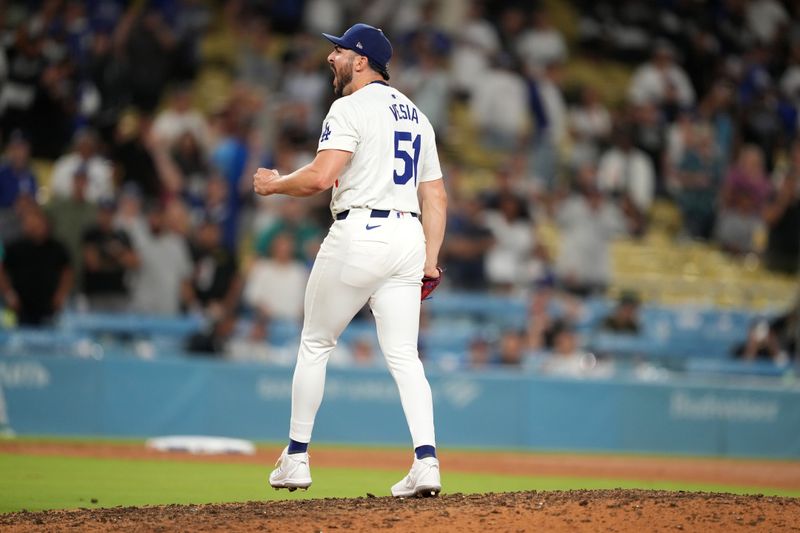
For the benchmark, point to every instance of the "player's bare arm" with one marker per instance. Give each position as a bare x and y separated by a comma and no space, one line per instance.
433,200
317,176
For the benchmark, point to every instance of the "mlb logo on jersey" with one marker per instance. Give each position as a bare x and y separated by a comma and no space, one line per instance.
326,132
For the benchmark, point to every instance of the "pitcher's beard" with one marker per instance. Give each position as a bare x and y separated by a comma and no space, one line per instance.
341,83
342,80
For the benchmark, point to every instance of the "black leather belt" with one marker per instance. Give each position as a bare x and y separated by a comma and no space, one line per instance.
375,213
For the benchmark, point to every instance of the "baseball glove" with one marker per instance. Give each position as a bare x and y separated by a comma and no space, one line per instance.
429,284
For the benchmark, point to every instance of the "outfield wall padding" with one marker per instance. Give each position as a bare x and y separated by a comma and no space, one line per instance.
134,398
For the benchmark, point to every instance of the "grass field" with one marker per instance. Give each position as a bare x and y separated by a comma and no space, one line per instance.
36,482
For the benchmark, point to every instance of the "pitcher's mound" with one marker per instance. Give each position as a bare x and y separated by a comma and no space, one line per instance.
581,510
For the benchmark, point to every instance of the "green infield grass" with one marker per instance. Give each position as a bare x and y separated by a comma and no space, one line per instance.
44,482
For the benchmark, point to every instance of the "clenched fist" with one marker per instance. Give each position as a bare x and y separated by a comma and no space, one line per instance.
262,180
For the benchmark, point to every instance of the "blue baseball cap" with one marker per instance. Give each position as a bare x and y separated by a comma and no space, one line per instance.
367,41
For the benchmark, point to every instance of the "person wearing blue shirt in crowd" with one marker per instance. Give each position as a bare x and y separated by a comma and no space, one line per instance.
17,181
16,176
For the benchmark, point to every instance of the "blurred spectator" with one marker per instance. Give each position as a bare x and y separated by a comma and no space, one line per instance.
762,344
540,319
55,110
36,278
106,69
191,166
648,134
105,74
626,172
786,328
232,156
511,351
288,153
363,352
716,109
428,84
510,19
108,259
763,125
625,316
541,44
568,359
730,24
502,121
129,207
141,159
254,345
70,217
163,281
22,67
149,45
215,280
474,44
565,341
37,90
588,223
213,341
16,180
589,126
293,221
622,31
304,88
257,65
766,19
782,216
699,176
426,36
16,175
324,16
662,82
479,356
179,119
771,340
701,56
515,258
214,206
744,195
275,285
549,116
191,20
178,219
468,241
95,167
790,79
751,74
678,136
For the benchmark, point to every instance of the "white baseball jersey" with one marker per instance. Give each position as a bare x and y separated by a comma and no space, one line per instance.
393,147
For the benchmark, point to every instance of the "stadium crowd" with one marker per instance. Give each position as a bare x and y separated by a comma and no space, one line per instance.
149,208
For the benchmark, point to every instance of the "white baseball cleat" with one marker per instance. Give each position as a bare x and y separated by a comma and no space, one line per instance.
292,473
423,480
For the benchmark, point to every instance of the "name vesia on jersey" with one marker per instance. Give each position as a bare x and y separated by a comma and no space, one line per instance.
404,112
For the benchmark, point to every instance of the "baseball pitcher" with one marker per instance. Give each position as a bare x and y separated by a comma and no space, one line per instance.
378,152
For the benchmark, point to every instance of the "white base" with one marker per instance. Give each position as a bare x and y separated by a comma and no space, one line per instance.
201,444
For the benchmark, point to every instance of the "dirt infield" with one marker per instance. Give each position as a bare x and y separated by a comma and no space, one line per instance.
598,510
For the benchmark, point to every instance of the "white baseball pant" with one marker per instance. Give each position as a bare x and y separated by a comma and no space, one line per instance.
375,260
